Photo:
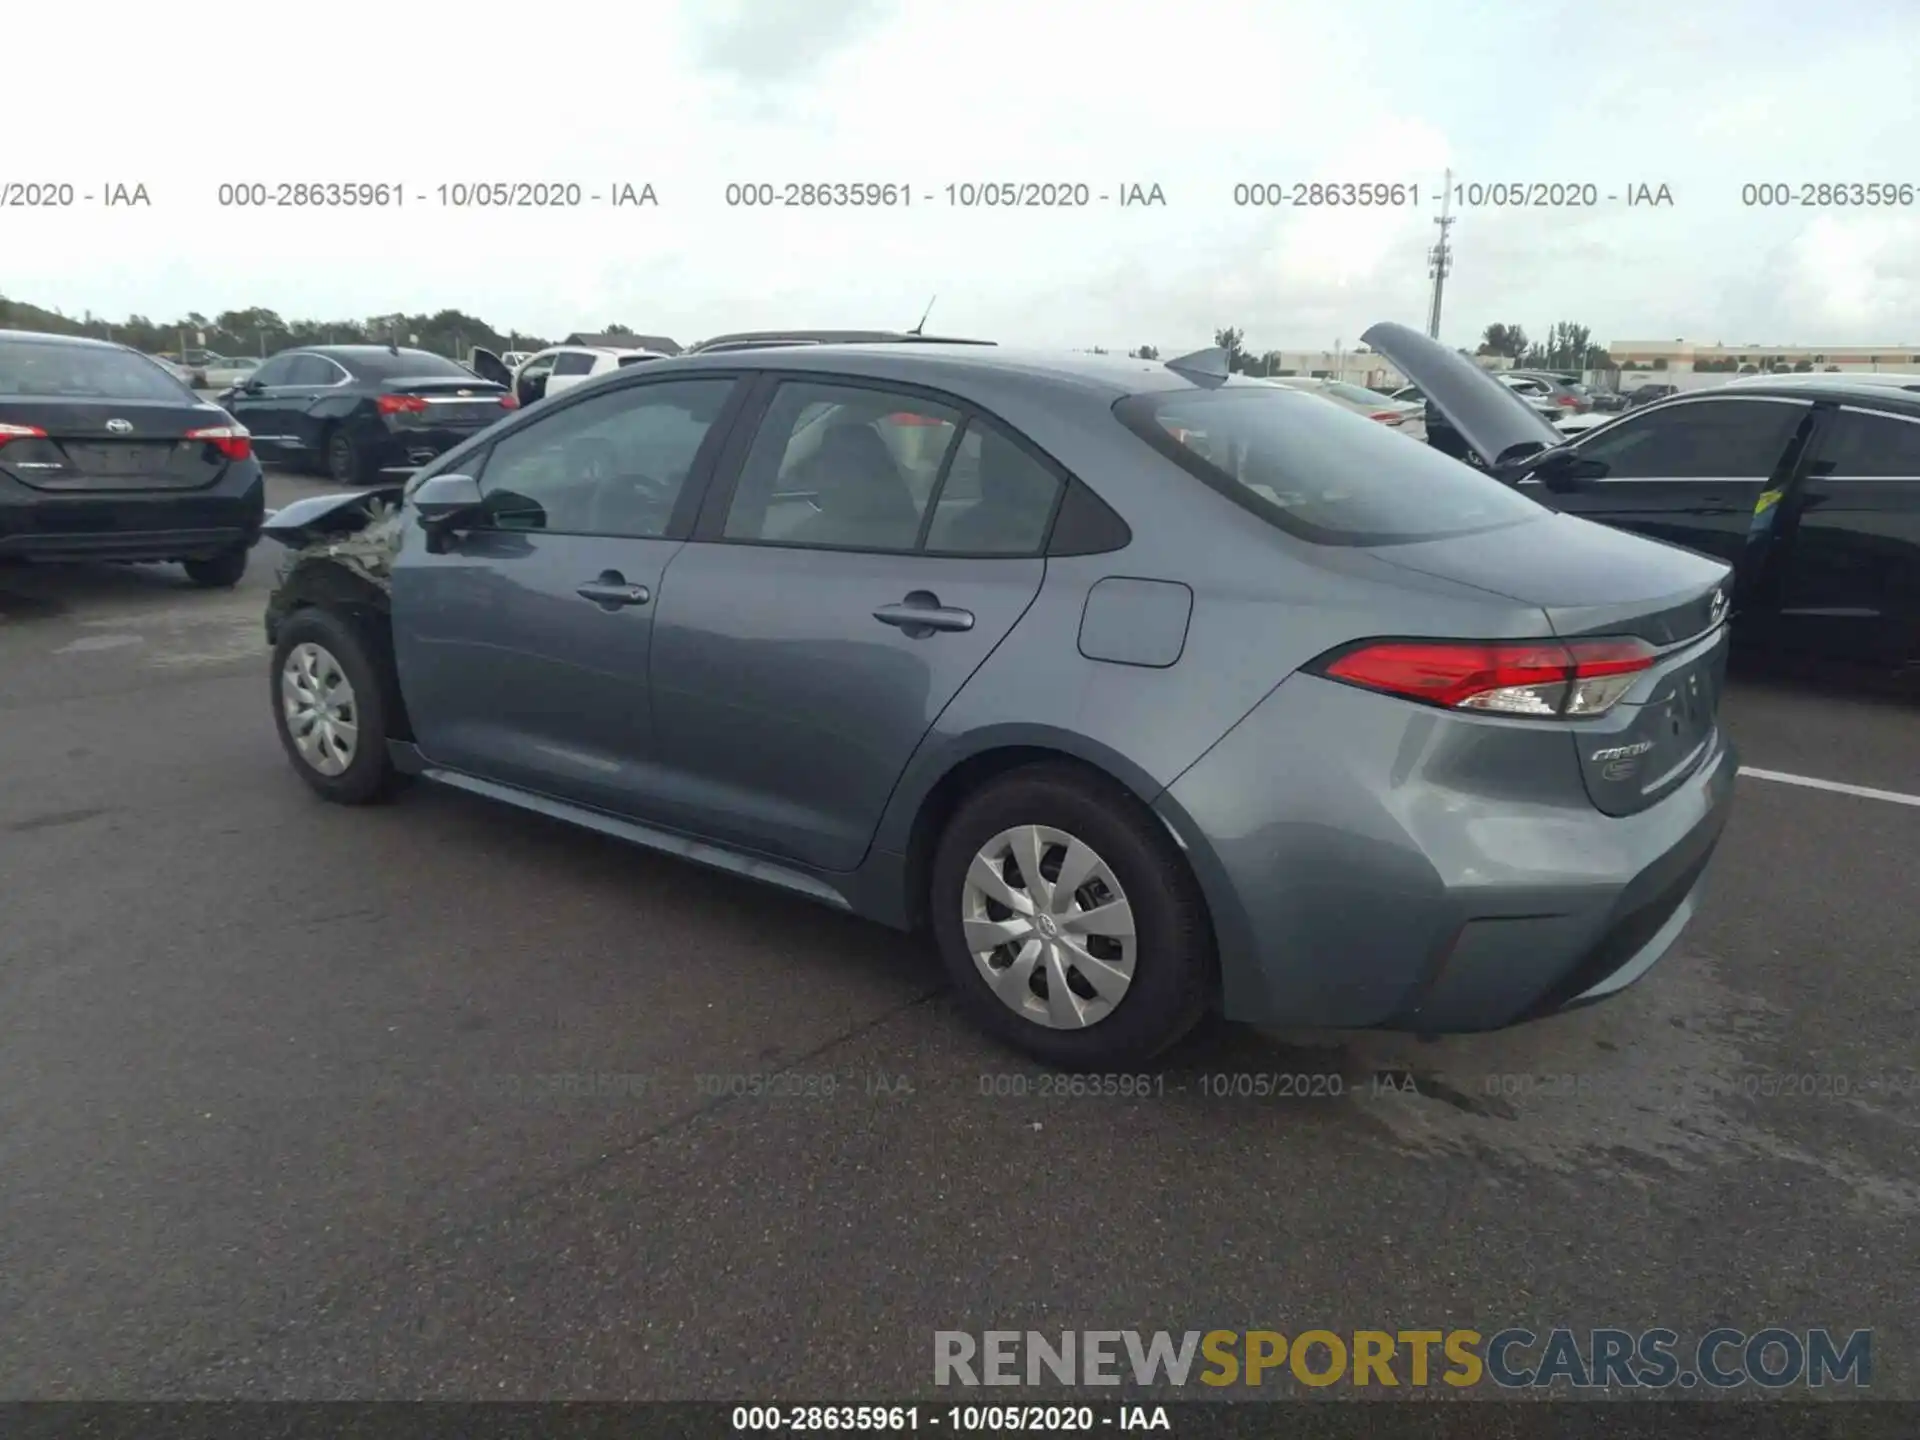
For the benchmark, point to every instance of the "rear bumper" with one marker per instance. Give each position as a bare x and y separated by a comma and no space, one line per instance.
400,450
134,525
1372,864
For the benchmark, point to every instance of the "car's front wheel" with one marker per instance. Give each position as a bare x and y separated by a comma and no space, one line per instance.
331,707
1069,922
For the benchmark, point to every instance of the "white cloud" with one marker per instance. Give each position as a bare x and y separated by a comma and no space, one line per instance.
1192,95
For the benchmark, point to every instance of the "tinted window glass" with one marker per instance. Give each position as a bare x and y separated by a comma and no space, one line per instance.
36,367
311,370
1697,440
1318,471
997,499
538,366
274,372
573,363
842,466
611,465
1869,446
384,364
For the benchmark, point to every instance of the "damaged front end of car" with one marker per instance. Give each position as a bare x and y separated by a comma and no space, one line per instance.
340,554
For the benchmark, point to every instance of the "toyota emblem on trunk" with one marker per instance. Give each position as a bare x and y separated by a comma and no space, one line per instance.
119,427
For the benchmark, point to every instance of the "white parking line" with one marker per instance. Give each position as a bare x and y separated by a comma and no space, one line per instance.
1865,792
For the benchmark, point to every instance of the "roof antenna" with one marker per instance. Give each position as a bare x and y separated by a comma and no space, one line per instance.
1211,364
921,328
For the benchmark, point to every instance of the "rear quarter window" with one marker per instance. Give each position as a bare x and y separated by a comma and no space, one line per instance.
1318,472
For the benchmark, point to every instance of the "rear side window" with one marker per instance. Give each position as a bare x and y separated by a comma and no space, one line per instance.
1319,472
39,367
1869,447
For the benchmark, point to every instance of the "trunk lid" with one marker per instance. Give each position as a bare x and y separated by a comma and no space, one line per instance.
1591,581
463,402
95,445
1496,423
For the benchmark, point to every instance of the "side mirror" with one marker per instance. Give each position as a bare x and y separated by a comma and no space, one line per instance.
248,387
443,502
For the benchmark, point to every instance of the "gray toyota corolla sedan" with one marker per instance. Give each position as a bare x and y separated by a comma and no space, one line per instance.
1143,687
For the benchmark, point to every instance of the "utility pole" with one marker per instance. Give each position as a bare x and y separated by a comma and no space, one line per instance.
1440,258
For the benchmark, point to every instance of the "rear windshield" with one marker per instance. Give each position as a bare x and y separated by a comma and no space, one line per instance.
423,363
1319,472
40,367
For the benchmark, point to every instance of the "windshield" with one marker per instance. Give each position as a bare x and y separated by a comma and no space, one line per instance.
1319,472
40,367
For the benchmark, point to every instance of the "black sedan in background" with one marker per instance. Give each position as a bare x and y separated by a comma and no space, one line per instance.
106,455
1809,487
354,412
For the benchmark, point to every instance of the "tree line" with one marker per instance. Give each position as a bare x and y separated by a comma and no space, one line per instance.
1567,347
259,331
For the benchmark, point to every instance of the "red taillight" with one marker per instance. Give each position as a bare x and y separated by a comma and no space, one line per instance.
1569,402
401,405
1542,678
20,432
907,417
509,402
233,441
1386,417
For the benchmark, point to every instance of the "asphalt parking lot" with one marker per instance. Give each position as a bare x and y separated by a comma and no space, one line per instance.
299,1101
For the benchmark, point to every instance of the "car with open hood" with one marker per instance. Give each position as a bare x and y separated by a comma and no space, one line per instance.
1807,485
1140,688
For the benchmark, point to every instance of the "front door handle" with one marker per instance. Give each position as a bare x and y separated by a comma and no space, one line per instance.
612,592
921,613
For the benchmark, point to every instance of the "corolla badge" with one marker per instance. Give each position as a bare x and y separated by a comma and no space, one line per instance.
1622,752
1717,608
119,427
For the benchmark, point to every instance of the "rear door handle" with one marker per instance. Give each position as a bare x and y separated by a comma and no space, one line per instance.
923,614
612,592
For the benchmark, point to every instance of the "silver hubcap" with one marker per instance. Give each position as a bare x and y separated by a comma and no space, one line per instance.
1049,927
322,715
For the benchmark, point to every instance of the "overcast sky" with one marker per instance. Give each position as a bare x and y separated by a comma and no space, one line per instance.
1193,95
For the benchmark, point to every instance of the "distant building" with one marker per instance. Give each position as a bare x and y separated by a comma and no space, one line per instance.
1688,358
626,342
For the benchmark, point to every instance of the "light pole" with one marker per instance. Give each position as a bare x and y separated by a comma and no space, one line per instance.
1440,258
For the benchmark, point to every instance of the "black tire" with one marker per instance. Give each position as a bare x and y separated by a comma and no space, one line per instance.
370,775
342,459
1174,969
218,572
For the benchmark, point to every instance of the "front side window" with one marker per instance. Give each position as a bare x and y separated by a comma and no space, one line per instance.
1697,440
1320,472
574,362
311,370
842,466
615,464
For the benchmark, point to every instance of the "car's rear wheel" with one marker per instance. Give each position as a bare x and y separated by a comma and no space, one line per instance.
331,708
343,459
218,572
1068,921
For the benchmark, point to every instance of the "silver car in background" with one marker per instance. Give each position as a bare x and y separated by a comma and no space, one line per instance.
1405,417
